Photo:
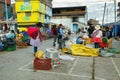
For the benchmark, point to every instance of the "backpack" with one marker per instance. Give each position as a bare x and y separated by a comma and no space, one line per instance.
32,32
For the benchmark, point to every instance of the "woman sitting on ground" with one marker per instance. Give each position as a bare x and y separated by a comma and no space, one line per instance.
10,34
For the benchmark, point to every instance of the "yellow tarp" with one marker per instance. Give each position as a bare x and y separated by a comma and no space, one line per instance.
81,50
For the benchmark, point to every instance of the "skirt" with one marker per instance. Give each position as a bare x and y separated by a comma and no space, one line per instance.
96,39
35,42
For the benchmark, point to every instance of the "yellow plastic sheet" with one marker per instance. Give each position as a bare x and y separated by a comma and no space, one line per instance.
81,50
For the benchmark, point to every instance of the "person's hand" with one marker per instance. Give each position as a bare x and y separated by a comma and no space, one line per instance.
37,37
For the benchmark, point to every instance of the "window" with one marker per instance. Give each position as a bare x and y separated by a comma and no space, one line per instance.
75,19
28,14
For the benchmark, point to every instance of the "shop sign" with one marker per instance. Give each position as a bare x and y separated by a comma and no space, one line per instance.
24,7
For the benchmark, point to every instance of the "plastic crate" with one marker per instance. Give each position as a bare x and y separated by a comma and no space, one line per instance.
52,53
42,64
21,44
11,48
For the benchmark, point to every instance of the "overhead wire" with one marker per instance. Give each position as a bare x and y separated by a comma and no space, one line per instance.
108,10
71,3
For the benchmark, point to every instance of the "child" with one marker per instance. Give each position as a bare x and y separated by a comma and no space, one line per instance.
79,40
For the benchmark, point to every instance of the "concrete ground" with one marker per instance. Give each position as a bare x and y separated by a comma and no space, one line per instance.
18,65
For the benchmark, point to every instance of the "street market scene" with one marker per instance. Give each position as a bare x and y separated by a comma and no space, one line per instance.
60,40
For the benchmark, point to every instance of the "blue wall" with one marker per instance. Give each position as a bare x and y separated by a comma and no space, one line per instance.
115,30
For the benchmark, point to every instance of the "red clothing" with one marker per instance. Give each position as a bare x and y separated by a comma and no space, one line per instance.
54,31
40,36
96,39
33,32
103,45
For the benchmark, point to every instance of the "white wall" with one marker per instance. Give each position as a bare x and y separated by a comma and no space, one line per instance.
67,21
62,20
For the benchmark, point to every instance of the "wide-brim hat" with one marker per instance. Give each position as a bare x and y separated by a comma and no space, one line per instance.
97,27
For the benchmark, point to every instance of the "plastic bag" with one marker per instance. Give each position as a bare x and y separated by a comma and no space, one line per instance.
39,54
104,53
113,50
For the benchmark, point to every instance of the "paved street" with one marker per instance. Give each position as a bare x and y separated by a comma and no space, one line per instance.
18,65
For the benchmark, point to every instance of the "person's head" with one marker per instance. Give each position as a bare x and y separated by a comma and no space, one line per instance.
86,28
12,31
54,26
106,28
39,25
110,26
80,36
60,25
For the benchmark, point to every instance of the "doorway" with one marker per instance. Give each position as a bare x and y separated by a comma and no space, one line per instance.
75,28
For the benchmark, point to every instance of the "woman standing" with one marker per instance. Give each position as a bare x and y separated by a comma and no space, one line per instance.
97,36
55,34
36,37
109,34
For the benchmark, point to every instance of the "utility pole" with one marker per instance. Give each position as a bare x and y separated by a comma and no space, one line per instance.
115,10
107,16
6,12
104,13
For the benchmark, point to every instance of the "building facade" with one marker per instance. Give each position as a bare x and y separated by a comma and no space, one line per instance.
29,12
5,12
93,22
5,7
71,17
118,11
